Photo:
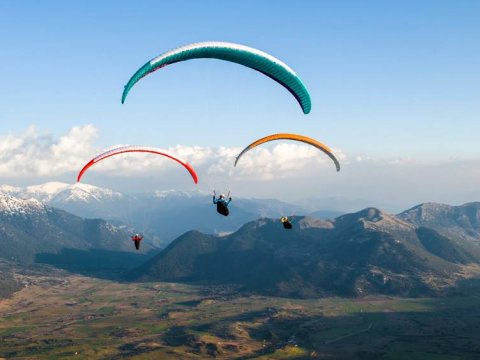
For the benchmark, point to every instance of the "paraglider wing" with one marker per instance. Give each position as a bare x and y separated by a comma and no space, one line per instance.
136,149
240,54
294,137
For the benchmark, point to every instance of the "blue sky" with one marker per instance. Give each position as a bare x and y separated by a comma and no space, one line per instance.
385,77
388,79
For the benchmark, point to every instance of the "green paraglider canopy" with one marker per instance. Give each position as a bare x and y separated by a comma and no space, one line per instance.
240,54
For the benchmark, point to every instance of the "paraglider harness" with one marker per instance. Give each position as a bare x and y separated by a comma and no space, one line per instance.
286,222
222,204
136,239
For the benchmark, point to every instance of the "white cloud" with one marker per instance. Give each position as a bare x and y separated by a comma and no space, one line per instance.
33,153
283,170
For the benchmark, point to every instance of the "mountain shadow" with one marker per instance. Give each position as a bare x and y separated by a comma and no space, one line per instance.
100,263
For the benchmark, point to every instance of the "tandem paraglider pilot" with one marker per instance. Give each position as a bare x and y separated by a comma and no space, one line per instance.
136,239
222,204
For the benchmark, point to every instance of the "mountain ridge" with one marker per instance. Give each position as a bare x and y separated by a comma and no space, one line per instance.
458,221
163,214
31,231
367,252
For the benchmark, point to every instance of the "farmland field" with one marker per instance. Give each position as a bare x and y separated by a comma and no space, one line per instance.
60,315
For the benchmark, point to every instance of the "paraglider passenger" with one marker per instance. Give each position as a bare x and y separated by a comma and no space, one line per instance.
222,204
286,222
136,239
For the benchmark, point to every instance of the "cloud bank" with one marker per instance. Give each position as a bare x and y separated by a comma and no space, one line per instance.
282,170
33,153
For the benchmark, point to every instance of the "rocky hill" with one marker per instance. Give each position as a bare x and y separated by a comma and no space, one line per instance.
454,221
368,252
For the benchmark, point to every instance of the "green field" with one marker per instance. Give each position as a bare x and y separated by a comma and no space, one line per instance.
86,318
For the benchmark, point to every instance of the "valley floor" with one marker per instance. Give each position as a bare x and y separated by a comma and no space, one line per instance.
59,315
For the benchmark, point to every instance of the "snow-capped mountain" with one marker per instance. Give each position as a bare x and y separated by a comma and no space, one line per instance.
80,199
64,192
85,193
90,201
161,215
31,231
12,206
42,192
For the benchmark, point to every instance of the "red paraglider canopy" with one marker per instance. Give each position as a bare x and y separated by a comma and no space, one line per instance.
138,149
